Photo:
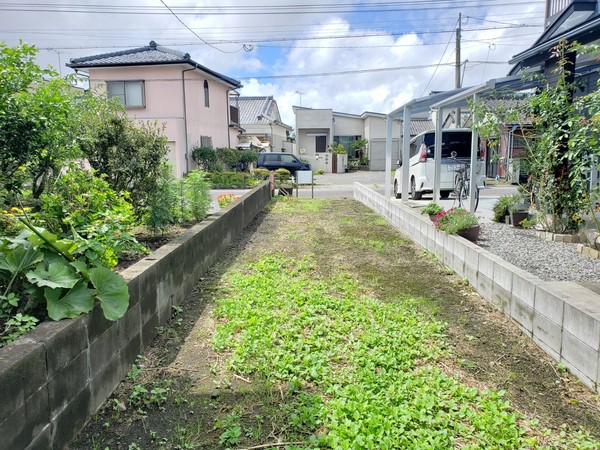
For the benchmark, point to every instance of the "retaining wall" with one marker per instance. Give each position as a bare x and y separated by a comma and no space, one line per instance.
563,318
56,377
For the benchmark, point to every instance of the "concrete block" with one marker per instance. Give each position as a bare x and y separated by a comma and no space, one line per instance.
95,324
67,382
458,265
582,321
548,335
485,286
130,325
25,422
522,313
579,355
586,381
63,341
106,381
149,331
103,349
43,439
503,274
501,298
71,419
523,286
472,253
548,303
471,273
131,277
22,372
486,264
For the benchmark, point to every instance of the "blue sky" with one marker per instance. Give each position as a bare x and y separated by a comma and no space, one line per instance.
351,56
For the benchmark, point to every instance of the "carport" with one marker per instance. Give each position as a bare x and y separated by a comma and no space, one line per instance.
439,103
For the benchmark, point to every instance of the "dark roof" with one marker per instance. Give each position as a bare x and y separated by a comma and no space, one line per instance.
152,54
566,25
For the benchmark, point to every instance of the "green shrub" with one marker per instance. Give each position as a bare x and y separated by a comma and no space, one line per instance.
82,203
502,207
282,175
432,208
205,157
260,174
162,208
197,194
231,180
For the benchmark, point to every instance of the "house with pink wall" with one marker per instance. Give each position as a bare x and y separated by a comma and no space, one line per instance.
160,84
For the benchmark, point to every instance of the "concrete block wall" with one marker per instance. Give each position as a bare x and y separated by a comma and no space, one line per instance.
53,379
562,318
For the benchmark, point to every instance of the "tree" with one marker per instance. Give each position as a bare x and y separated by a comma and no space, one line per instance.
128,154
38,112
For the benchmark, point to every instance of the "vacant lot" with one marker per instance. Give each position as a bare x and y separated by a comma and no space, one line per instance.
324,327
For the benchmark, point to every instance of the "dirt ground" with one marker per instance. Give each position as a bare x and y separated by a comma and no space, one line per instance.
194,394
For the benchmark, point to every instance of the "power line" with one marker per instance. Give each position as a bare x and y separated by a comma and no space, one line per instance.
438,65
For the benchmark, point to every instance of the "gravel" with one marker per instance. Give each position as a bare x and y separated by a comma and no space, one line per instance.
550,261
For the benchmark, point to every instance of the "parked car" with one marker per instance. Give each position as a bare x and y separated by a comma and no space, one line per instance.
281,160
421,162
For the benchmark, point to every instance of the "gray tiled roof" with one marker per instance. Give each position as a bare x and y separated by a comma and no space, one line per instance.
257,110
152,54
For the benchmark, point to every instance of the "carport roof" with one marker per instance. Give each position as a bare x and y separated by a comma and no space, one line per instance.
457,98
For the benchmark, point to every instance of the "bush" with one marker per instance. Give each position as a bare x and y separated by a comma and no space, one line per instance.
260,174
231,180
161,211
282,175
503,206
454,220
197,194
84,204
205,157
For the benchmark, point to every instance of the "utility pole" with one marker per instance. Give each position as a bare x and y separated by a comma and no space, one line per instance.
300,94
457,81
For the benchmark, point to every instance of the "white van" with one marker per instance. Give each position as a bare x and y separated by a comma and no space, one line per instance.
422,165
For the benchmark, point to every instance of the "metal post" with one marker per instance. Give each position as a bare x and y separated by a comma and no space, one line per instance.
474,162
405,152
388,155
437,156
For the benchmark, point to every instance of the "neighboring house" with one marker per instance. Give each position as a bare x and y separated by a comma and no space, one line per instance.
317,129
572,20
158,83
261,125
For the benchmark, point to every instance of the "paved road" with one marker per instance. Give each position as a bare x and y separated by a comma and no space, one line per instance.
341,185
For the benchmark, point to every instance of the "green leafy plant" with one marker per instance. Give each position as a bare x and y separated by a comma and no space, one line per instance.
197,194
232,180
38,270
205,157
282,175
454,220
261,174
161,210
432,208
226,199
503,206
337,149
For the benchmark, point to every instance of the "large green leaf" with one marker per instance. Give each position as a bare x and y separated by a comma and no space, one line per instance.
77,301
111,291
58,275
20,259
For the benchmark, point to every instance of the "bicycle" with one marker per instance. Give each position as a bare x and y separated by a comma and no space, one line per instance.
462,184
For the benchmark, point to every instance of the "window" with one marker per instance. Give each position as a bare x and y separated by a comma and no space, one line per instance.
129,93
347,141
206,98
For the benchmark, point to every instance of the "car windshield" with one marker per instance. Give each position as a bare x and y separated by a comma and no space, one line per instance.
458,141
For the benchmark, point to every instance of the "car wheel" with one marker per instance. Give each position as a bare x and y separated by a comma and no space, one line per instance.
413,190
397,194
444,194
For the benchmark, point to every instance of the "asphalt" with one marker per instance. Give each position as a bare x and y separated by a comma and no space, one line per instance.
341,185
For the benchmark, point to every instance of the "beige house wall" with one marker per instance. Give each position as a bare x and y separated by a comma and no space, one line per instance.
164,87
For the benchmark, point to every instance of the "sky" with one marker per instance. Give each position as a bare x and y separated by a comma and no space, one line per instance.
349,56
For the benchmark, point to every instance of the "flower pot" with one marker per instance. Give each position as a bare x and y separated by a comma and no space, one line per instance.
432,217
516,217
470,234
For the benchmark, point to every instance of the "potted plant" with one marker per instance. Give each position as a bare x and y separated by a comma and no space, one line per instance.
502,207
458,221
432,209
518,214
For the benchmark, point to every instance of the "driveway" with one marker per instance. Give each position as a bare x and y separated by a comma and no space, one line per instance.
340,185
